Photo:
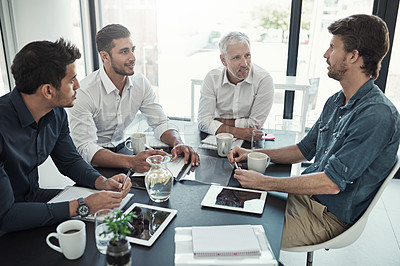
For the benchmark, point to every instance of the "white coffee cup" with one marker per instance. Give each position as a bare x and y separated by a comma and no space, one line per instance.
136,143
71,235
258,161
224,143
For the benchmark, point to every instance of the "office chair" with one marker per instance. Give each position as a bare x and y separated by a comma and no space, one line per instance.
353,233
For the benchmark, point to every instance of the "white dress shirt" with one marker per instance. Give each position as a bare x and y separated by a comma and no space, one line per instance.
248,102
100,116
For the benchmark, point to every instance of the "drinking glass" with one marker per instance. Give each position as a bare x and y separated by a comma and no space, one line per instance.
258,139
101,226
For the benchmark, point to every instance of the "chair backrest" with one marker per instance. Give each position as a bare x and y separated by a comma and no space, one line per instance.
353,233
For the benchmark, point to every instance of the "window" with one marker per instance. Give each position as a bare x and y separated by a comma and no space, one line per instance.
177,40
314,40
393,82
4,87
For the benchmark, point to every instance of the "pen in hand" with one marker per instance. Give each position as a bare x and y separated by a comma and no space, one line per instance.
236,165
126,178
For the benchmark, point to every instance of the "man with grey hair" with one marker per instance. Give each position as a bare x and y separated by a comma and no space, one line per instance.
237,97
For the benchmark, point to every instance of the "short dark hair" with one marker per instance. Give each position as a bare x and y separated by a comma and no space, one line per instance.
42,62
105,36
369,35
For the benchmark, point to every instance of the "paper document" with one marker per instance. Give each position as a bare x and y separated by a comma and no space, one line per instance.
73,193
211,142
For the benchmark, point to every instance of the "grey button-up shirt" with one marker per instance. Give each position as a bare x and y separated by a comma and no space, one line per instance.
355,145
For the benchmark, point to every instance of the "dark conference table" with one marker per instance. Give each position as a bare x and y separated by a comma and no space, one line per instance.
29,247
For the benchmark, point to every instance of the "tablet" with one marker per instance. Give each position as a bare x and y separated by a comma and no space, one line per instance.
236,199
148,223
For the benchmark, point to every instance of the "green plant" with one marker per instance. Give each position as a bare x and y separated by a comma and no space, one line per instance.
118,225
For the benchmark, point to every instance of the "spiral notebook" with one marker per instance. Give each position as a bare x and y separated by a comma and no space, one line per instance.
229,240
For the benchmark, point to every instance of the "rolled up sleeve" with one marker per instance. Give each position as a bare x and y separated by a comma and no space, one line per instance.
364,140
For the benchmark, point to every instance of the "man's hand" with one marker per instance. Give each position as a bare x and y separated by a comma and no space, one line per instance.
103,200
138,161
238,154
250,179
187,152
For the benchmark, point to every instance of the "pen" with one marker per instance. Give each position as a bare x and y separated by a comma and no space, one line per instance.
126,178
236,166
148,147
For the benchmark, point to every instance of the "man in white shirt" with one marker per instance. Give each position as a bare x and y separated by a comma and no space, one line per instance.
237,97
107,104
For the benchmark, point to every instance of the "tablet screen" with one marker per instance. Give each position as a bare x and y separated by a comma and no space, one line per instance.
237,199
148,223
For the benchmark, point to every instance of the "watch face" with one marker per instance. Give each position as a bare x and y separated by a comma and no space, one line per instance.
83,210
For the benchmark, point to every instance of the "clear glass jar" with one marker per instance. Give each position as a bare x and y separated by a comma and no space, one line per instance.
159,179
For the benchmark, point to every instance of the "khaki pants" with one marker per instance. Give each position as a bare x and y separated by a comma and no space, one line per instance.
308,222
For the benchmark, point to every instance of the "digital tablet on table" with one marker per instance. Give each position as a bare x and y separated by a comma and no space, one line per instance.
148,223
236,199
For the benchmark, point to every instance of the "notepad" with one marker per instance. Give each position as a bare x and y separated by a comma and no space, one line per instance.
229,240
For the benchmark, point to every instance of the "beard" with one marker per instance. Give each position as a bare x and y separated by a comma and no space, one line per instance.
121,71
337,71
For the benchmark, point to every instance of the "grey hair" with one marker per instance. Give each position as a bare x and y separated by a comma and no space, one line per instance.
233,37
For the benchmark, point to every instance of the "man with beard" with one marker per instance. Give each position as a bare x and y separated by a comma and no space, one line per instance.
353,143
237,97
108,102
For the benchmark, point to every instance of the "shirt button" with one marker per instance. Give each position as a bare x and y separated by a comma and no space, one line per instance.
315,166
326,152
340,117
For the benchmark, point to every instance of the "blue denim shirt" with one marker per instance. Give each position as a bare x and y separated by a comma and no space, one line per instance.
355,145
25,144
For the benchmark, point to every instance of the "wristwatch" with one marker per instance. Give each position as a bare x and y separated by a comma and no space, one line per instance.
83,209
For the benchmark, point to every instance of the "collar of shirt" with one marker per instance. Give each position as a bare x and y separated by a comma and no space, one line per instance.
248,79
109,85
24,115
364,89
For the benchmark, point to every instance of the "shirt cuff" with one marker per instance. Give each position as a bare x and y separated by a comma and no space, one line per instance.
214,125
242,123
89,151
336,170
159,130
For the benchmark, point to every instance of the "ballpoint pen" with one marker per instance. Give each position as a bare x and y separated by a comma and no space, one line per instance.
126,178
236,165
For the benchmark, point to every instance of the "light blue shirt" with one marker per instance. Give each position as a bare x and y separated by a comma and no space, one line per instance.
355,145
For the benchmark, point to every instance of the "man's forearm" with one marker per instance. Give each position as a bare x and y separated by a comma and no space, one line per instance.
171,137
237,132
106,158
310,184
287,155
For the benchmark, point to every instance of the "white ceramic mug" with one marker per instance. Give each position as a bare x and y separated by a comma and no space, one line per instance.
224,143
71,235
258,161
136,143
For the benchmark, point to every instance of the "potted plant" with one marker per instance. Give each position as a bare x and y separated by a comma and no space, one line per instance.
118,249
